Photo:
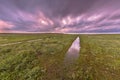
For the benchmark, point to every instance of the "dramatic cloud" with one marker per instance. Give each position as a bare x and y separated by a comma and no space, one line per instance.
65,16
5,26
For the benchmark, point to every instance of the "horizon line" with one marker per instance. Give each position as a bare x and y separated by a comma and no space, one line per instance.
58,33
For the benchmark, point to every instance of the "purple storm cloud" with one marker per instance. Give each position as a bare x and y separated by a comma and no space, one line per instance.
63,16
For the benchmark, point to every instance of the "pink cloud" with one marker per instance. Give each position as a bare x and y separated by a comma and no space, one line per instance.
5,25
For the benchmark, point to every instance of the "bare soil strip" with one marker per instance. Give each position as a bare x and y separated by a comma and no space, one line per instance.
19,42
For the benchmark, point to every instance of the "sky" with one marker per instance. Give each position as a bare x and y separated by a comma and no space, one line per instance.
60,16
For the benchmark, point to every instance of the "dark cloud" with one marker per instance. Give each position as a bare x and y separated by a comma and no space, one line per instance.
60,15
114,17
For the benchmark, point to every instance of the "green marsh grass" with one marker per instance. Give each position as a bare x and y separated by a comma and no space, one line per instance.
99,58
43,59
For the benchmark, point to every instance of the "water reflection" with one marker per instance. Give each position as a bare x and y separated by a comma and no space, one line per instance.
73,52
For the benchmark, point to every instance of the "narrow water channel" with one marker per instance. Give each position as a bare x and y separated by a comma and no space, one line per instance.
73,52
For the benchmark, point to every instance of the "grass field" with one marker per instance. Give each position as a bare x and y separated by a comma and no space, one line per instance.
99,58
37,60
41,56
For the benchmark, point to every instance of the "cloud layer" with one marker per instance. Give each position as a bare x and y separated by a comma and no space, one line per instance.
65,16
